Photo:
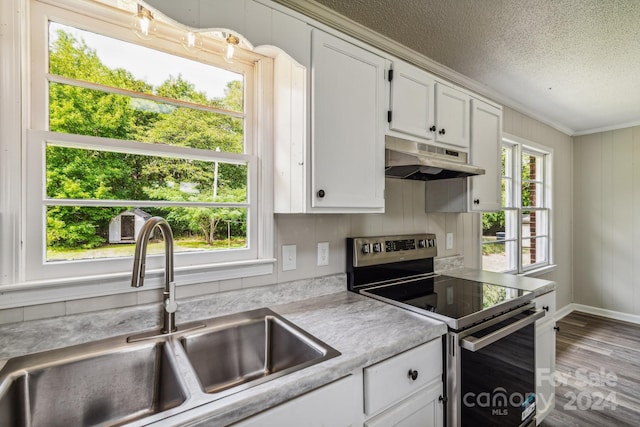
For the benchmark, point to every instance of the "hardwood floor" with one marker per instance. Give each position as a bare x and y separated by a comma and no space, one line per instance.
598,366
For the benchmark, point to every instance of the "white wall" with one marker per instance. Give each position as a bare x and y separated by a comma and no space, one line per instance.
606,183
525,127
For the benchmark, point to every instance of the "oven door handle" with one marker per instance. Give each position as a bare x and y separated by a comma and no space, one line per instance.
472,343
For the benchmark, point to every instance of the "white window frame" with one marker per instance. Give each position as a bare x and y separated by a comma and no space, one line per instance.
27,278
513,204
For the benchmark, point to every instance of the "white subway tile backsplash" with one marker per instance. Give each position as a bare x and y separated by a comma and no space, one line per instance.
44,311
11,315
101,303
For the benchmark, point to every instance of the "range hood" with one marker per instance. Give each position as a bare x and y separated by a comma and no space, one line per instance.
406,159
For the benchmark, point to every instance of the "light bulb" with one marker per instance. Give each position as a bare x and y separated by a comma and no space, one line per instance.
143,24
192,41
232,42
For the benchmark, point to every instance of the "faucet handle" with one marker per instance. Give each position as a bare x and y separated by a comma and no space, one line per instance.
170,304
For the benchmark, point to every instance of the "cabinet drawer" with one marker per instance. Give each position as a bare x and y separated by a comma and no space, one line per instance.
421,409
547,300
389,381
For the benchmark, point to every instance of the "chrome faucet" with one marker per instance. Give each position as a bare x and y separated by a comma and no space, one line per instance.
139,261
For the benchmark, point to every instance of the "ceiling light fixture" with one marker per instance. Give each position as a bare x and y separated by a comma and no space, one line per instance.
232,42
143,24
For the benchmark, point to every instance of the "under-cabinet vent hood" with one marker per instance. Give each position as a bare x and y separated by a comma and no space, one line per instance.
415,160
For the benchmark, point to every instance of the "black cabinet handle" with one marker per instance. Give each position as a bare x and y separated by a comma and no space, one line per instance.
321,193
476,201
442,399
545,307
442,132
413,374
556,328
432,128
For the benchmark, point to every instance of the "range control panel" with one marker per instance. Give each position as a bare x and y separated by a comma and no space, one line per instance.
380,250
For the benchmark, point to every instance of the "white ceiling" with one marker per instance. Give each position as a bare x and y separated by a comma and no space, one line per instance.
575,63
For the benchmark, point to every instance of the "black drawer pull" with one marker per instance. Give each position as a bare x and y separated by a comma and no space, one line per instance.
413,374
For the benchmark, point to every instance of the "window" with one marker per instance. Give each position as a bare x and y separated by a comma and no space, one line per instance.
122,129
517,238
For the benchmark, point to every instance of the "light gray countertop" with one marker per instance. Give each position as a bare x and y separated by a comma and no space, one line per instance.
365,331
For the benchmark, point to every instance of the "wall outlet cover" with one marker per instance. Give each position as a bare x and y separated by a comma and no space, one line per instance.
323,253
288,257
449,241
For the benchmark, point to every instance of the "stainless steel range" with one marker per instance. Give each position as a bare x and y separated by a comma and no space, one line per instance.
489,349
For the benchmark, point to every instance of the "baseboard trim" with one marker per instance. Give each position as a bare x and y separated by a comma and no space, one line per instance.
611,314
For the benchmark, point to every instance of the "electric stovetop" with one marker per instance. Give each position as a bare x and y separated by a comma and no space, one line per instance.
457,302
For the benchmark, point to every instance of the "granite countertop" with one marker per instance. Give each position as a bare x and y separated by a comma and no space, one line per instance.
363,330
537,286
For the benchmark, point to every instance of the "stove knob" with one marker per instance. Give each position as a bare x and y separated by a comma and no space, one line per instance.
366,248
377,247
422,243
432,243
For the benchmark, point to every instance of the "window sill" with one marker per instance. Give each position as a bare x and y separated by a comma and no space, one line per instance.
48,291
539,271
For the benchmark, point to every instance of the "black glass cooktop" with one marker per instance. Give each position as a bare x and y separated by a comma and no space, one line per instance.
457,302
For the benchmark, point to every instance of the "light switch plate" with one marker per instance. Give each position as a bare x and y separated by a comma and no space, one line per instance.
288,257
449,241
323,253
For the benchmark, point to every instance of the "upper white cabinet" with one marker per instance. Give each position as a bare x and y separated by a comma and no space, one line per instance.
424,108
486,135
347,126
412,101
452,116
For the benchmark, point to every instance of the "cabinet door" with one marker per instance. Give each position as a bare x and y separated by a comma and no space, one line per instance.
452,116
422,409
338,404
348,115
486,135
412,100
545,356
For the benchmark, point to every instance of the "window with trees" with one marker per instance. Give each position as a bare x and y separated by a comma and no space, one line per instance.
517,238
123,129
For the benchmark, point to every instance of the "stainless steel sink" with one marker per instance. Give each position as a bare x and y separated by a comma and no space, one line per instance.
114,382
82,387
240,351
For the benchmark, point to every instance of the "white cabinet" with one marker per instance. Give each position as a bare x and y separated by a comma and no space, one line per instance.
412,101
347,120
406,390
545,356
338,404
481,193
452,116
486,136
424,108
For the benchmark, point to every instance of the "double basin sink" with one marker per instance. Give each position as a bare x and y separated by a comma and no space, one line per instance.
115,382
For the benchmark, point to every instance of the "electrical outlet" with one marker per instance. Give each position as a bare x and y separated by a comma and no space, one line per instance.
323,253
449,241
288,257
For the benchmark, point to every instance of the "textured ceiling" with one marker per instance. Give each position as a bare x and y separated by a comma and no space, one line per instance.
574,62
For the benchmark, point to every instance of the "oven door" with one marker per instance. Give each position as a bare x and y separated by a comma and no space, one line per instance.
491,369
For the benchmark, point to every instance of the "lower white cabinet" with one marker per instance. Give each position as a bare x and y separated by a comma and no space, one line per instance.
406,390
545,356
335,405
422,409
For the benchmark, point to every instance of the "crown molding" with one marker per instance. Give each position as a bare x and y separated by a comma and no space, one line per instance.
608,128
358,31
